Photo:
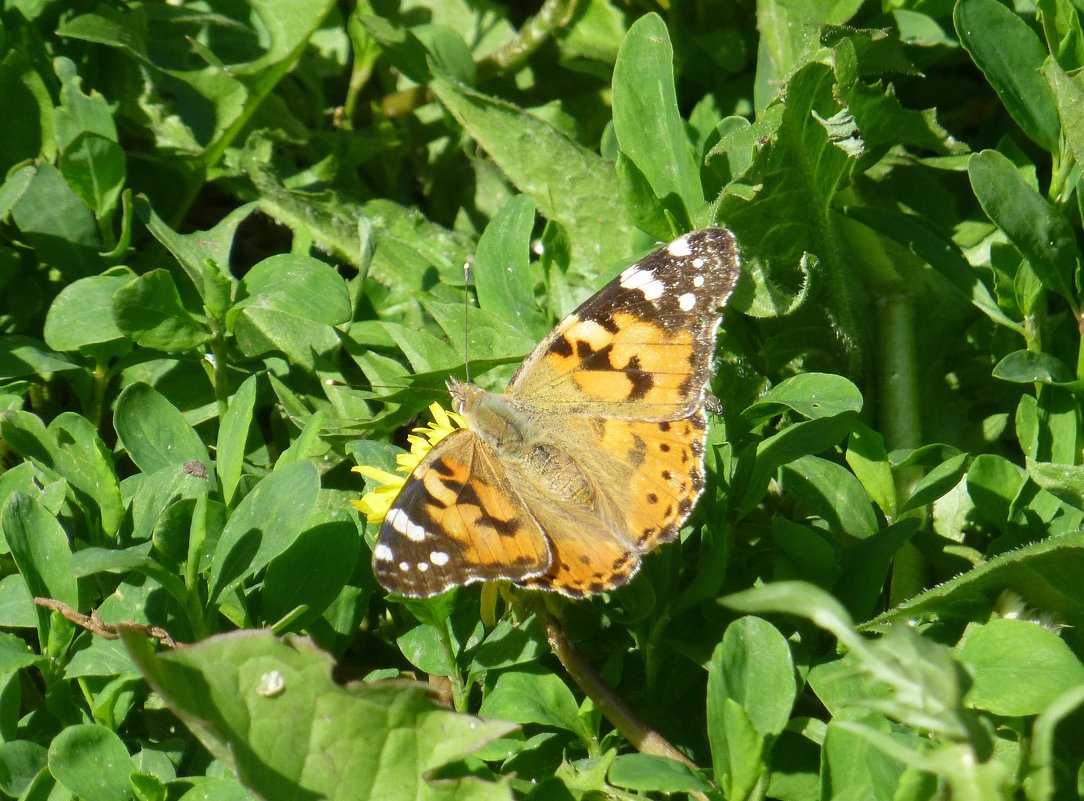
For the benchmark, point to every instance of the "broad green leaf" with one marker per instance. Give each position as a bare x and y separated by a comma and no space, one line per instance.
752,669
81,316
20,762
425,648
502,271
853,768
649,773
1069,97
812,395
91,762
647,123
266,522
201,251
300,286
42,554
94,167
582,195
154,433
24,356
15,653
1018,666
1064,481
311,572
533,698
936,483
58,224
793,442
271,712
1035,228
867,457
1026,367
149,309
1011,57
832,493
789,37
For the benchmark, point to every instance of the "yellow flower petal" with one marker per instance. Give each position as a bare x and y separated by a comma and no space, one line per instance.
376,503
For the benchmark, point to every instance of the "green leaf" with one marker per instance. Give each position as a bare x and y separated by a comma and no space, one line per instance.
271,712
582,195
58,224
832,493
311,572
81,316
15,653
266,522
502,270
789,37
300,286
867,457
1035,228
20,762
154,433
936,483
1064,481
200,252
1045,574
752,669
94,167
647,123
1011,57
233,437
649,773
793,442
42,554
1018,666
1026,367
541,698
149,309
812,395
91,762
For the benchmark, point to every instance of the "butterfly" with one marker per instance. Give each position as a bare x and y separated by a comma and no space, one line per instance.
593,455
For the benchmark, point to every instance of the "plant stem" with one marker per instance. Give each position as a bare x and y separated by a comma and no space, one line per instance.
643,737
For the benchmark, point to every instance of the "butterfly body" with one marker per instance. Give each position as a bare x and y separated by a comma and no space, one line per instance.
594,454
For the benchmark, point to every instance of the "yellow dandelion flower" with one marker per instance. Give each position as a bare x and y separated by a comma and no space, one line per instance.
376,503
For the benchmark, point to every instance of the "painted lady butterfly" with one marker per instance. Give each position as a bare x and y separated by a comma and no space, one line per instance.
592,457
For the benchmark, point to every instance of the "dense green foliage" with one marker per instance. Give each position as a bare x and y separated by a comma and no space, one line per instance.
231,247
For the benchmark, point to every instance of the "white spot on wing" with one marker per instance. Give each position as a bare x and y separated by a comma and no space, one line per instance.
423,566
439,558
399,521
653,290
698,263
679,248
698,281
687,301
404,566
635,278
382,553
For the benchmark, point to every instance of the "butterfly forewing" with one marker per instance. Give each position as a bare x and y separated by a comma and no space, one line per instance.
642,346
457,520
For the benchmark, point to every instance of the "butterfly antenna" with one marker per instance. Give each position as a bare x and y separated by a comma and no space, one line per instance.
466,325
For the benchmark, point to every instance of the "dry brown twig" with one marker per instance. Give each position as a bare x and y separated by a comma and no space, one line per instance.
96,625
